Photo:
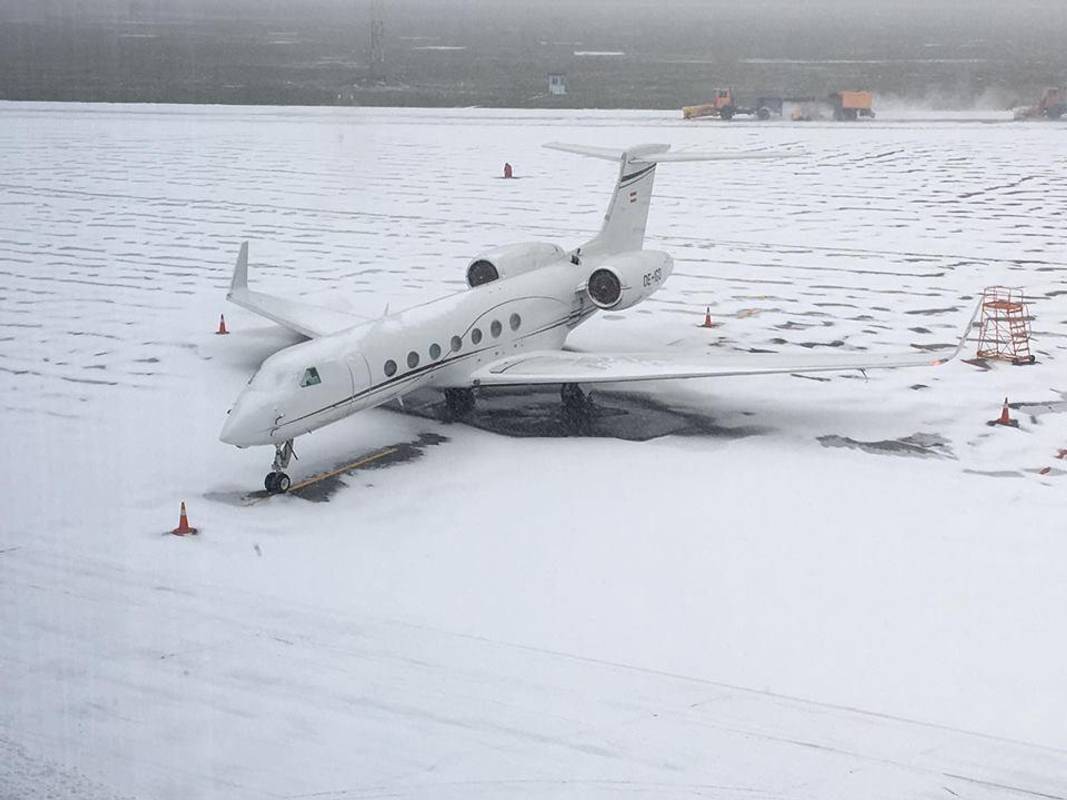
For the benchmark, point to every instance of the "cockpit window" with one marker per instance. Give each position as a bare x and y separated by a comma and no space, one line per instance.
311,377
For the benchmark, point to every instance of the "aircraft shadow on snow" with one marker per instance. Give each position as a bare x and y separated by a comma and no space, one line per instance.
537,411
523,413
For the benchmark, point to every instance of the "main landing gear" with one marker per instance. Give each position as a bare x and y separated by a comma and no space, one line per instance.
460,402
576,407
277,482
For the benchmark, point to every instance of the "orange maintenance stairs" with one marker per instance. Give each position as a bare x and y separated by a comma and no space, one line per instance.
1005,333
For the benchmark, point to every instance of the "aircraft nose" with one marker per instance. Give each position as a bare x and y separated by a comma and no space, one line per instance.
245,425
231,432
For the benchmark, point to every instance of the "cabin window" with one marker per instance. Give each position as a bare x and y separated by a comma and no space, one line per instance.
496,328
413,359
311,377
457,344
515,322
390,368
476,335
435,351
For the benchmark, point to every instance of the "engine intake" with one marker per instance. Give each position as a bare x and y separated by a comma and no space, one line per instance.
511,260
628,278
605,288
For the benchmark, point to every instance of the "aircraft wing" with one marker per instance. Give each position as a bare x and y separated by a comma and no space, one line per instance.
561,366
558,366
307,319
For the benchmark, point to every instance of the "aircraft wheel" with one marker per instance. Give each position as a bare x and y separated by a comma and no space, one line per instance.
459,402
572,395
277,483
575,413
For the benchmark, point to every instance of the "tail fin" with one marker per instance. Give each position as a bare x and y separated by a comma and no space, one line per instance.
627,214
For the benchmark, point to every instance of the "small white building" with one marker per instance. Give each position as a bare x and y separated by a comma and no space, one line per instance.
557,83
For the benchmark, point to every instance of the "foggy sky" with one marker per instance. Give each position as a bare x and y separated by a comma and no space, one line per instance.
861,12
316,51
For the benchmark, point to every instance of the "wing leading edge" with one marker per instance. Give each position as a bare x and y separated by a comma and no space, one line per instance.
307,319
541,367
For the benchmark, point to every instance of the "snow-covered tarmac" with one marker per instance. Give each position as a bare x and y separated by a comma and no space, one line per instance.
783,602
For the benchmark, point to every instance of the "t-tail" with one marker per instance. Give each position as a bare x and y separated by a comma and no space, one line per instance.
627,215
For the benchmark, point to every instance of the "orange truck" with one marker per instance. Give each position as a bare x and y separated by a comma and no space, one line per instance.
722,106
844,105
852,105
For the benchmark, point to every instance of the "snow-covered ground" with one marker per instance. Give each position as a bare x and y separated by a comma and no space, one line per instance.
785,601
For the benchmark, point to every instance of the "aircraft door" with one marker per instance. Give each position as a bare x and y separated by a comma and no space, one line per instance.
359,371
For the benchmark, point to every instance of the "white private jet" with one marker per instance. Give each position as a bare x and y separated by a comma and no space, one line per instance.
507,329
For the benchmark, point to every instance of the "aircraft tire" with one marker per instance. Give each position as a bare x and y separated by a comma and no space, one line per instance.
277,483
460,402
572,395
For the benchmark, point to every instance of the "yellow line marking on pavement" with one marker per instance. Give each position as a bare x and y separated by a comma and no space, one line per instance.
324,475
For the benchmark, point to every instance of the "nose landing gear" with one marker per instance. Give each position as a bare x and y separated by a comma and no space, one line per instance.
277,482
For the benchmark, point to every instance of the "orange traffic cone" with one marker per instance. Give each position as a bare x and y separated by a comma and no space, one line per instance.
183,528
707,318
222,325
1005,417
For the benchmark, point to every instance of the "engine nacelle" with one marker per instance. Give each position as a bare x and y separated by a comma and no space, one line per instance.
511,260
628,278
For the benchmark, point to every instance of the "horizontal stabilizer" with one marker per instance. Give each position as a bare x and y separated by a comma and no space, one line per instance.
657,153
605,153
307,319
661,158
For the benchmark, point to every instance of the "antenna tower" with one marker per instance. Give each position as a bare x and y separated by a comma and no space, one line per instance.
377,35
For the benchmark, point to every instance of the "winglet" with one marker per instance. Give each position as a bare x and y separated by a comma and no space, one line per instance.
240,271
963,337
